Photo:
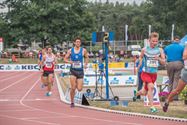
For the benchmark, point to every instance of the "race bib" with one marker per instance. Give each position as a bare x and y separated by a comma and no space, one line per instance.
77,65
185,64
152,63
49,65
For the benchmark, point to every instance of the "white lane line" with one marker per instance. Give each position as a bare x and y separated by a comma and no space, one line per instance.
11,117
10,77
24,110
63,99
37,99
4,100
89,118
62,116
14,83
5,74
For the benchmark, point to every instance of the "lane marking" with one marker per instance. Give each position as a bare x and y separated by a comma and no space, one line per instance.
28,100
4,100
63,99
90,118
12,76
48,123
62,116
24,110
14,83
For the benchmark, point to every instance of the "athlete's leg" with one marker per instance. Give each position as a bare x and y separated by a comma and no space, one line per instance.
45,78
79,84
43,81
174,92
50,82
150,93
142,92
73,82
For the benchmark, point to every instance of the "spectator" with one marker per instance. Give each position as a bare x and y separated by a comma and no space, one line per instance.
174,53
31,54
14,59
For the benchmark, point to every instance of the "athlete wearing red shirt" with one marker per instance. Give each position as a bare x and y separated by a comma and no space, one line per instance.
48,61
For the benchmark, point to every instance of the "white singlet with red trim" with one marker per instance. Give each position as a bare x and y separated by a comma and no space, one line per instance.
49,62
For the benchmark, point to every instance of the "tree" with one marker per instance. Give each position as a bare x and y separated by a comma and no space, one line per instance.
58,20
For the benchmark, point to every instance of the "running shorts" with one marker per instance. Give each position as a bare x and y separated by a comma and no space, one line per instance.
184,75
77,73
46,73
148,78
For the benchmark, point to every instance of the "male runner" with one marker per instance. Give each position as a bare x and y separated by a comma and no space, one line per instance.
182,82
76,55
152,55
48,61
40,57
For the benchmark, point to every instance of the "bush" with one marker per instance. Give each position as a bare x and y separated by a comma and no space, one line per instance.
183,94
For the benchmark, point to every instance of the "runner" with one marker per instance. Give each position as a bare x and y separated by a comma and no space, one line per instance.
76,55
182,82
152,56
48,61
40,56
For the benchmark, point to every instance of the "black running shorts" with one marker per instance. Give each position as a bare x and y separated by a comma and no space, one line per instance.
77,73
46,73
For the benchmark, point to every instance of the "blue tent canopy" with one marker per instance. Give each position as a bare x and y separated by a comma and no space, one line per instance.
183,40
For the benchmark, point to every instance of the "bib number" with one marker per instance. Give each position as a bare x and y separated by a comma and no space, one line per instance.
48,64
77,65
152,63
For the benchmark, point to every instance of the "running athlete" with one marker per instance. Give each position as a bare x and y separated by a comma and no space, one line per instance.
152,56
182,82
48,61
40,57
76,55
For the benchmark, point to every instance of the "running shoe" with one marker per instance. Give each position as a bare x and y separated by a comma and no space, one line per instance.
165,107
42,86
48,93
153,109
72,105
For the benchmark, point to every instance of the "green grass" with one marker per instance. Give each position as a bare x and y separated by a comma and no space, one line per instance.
176,109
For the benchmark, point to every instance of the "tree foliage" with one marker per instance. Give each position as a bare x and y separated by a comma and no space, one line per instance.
62,20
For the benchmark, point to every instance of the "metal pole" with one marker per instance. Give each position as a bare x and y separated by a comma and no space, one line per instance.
149,30
114,47
106,64
126,36
172,32
106,70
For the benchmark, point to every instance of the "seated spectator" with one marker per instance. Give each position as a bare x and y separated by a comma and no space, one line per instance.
14,59
31,54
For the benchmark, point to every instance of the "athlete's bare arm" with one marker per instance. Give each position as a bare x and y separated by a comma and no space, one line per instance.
185,53
142,54
55,59
86,57
67,56
162,59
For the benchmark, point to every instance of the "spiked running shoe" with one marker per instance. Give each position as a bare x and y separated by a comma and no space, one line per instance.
48,93
165,107
72,105
153,110
43,85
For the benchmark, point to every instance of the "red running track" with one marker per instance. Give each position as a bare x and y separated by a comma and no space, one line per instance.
23,102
